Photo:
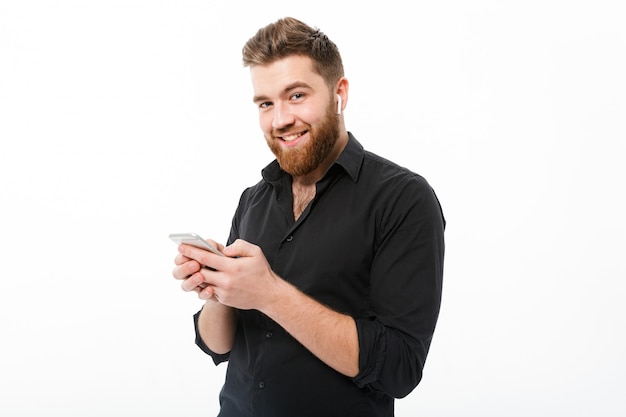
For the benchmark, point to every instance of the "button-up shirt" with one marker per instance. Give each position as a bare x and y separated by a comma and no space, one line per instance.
370,245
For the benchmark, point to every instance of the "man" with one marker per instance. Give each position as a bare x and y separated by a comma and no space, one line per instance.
327,299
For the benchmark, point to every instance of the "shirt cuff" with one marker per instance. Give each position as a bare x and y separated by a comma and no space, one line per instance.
388,362
372,350
217,358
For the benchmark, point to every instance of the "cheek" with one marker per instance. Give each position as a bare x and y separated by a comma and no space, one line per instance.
312,115
265,122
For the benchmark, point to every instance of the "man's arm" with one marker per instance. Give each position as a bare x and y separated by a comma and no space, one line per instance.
217,324
329,335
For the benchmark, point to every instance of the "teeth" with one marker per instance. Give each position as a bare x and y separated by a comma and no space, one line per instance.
291,137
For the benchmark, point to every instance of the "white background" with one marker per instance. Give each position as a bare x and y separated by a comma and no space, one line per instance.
123,121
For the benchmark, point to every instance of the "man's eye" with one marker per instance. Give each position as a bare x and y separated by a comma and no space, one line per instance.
297,96
265,105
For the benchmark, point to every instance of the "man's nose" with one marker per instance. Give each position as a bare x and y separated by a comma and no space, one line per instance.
283,116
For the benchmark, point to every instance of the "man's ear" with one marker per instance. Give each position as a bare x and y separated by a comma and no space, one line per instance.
341,91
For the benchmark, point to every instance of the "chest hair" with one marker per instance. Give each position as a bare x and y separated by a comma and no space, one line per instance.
302,196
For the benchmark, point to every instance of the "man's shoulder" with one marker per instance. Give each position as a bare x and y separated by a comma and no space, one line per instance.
259,188
388,171
397,186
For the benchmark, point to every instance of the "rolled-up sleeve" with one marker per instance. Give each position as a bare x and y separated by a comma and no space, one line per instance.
406,285
217,358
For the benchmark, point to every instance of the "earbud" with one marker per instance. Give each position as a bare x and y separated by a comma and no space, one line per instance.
339,103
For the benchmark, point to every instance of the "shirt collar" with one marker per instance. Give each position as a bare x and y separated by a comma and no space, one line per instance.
350,159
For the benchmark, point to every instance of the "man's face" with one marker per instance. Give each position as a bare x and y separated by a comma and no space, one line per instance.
296,113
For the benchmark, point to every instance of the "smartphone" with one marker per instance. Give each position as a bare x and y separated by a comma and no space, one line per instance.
194,240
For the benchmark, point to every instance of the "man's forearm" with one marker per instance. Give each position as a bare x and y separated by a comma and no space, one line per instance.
217,324
329,335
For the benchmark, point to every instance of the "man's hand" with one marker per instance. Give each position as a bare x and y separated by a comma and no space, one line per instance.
188,270
243,279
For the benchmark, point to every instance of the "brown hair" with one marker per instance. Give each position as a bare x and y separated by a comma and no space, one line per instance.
289,36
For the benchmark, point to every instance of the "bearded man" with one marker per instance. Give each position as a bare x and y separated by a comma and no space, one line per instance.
328,296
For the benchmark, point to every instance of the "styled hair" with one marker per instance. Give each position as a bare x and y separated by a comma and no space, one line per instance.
289,36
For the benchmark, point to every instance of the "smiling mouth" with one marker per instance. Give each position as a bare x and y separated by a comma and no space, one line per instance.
292,137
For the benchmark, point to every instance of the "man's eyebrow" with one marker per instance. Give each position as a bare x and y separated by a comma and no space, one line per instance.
256,99
287,89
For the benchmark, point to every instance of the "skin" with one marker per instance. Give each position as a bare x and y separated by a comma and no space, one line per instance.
293,102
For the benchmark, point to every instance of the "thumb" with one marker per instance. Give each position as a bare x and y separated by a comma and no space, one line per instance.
240,248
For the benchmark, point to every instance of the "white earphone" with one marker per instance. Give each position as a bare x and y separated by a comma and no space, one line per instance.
339,103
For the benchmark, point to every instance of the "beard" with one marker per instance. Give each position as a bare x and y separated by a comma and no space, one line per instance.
302,160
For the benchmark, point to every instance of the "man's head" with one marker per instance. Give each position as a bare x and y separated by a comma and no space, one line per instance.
299,88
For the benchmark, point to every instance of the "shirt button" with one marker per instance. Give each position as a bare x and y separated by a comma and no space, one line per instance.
290,238
261,385
268,335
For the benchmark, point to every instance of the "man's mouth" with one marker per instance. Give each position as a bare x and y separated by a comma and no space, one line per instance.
291,137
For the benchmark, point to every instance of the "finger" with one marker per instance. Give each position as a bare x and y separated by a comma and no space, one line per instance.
216,245
193,283
208,293
240,248
204,257
180,259
186,270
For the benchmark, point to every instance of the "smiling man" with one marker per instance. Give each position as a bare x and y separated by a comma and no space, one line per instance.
327,300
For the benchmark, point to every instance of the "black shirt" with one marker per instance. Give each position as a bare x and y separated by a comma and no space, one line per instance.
370,245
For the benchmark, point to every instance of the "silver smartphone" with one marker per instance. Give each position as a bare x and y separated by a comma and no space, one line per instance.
194,240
